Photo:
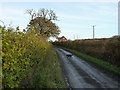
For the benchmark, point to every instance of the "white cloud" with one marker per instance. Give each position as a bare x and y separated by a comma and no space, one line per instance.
84,18
15,16
101,13
12,11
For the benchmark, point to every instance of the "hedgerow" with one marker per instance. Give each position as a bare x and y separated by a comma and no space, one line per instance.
105,49
20,52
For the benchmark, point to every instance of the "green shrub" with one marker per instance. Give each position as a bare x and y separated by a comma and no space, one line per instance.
46,74
20,51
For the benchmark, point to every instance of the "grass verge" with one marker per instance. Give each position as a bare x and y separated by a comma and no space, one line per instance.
46,74
96,61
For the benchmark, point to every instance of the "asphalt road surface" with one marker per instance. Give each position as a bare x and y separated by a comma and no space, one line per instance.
80,74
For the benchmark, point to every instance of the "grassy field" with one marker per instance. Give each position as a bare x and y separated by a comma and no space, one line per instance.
96,61
46,74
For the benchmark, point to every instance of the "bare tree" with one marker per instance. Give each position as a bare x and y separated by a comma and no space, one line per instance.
31,12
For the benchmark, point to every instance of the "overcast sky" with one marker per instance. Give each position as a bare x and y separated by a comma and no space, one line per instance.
75,18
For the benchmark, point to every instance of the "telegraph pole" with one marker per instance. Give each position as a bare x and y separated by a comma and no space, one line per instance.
93,31
74,36
77,36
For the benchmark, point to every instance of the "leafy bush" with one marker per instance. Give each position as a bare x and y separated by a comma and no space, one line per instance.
46,74
20,51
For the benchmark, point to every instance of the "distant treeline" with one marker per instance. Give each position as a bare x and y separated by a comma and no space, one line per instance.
105,49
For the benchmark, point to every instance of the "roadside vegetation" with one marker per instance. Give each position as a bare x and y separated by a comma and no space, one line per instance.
20,52
27,57
46,74
102,52
0,59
